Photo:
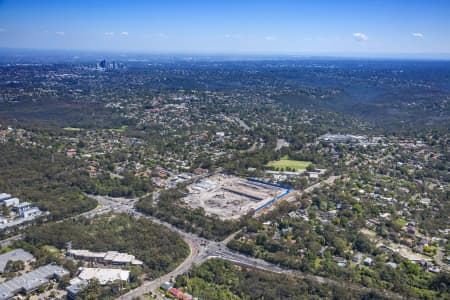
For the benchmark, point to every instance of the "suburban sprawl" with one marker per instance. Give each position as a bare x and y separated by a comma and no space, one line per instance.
150,177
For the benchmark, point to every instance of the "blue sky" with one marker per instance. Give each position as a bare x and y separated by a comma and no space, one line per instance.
371,27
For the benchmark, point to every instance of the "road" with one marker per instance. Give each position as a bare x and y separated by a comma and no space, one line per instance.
202,249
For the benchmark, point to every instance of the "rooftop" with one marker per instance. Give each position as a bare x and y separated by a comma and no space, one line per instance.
104,276
30,281
14,255
4,196
110,256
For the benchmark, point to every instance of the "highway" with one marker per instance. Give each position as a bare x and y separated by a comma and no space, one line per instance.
202,249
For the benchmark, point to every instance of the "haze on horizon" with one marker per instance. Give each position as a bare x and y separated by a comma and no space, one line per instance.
322,27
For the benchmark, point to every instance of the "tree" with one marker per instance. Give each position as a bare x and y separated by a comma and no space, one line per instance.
92,291
181,281
362,244
64,282
311,168
14,266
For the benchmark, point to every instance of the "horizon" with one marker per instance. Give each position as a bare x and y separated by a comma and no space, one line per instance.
323,28
231,56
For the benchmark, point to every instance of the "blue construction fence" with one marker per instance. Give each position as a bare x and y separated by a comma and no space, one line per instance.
270,202
268,183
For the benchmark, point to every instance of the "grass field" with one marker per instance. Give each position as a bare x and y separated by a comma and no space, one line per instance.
72,129
121,129
285,162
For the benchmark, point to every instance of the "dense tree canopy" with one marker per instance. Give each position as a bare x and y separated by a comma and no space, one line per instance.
44,178
159,248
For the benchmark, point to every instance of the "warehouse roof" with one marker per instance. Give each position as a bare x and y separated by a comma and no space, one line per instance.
14,255
4,196
30,281
104,276
10,201
87,253
122,258
110,256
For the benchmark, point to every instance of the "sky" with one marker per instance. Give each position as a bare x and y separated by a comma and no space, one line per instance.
315,27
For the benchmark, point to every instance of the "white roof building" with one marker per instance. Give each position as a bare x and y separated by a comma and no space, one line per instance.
32,212
11,202
121,258
113,257
104,276
4,196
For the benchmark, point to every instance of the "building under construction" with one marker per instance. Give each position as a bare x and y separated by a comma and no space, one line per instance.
230,197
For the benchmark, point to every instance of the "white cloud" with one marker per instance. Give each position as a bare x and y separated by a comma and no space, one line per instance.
360,37
125,33
158,35
417,35
110,33
270,38
60,33
232,36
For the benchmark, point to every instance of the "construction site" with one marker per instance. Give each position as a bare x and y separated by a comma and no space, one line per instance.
230,197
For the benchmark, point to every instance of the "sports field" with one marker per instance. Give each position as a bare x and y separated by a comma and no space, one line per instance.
120,129
285,162
72,129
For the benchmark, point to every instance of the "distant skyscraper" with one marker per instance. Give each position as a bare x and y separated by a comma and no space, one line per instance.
103,64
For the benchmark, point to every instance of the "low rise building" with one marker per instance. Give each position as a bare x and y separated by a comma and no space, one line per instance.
24,212
110,257
30,213
14,255
31,281
368,261
19,208
166,286
104,276
11,202
4,196
343,138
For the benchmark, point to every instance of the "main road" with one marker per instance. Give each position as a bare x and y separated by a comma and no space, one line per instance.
202,249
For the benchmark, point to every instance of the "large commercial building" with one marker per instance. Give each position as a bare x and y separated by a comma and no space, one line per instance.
24,212
31,281
343,138
110,257
104,276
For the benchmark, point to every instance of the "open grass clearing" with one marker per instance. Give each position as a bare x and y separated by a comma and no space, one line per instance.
285,163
